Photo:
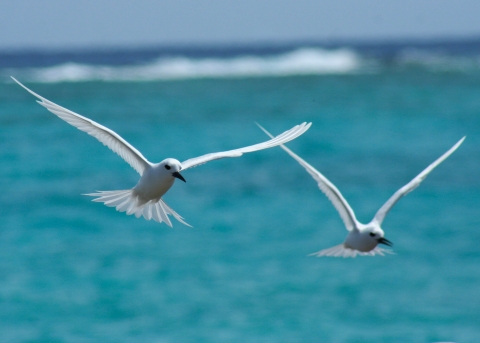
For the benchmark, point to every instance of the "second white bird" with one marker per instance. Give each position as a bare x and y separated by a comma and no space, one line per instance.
362,239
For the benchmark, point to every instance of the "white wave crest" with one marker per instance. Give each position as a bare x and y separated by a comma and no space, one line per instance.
307,61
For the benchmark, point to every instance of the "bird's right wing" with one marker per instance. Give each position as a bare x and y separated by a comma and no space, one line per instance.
328,188
287,136
382,212
106,136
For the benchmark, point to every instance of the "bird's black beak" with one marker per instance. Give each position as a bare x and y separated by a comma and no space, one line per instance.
178,176
385,241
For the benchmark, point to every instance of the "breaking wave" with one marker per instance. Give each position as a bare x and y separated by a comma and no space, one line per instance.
299,61
305,61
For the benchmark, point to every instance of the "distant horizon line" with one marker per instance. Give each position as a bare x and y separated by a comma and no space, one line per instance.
264,44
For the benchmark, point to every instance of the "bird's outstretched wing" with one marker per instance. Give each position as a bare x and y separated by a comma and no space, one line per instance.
382,212
106,136
283,138
328,188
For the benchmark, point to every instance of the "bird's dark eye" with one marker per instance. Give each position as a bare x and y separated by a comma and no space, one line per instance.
167,167
372,234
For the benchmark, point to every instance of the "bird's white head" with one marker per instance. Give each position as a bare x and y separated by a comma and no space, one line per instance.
172,166
375,235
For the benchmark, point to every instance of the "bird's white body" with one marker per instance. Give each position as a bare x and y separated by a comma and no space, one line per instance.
156,181
362,239
145,199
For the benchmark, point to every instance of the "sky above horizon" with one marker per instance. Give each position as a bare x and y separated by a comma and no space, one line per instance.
123,23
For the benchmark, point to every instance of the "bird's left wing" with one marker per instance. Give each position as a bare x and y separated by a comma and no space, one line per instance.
382,212
280,139
106,136
328,188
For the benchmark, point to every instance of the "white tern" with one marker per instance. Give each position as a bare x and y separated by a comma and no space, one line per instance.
145,199
362,239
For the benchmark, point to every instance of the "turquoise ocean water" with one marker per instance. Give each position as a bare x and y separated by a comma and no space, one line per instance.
76,271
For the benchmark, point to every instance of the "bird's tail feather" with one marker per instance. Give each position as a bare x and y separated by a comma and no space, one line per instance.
126,201
342,251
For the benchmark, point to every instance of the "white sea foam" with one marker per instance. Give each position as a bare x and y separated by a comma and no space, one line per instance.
303,61
307,61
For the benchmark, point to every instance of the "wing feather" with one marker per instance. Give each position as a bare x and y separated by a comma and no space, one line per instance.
328,188
382,212
280,139
106,136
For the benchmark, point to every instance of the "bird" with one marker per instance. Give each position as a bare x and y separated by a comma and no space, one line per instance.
362,239
145,199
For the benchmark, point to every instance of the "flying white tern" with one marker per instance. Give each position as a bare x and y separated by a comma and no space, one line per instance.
145,199
362,239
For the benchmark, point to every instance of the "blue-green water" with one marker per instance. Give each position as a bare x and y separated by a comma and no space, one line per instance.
76,271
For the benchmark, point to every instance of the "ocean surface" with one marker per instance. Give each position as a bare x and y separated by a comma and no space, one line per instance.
75,271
